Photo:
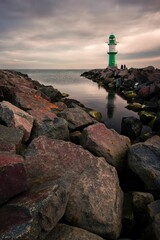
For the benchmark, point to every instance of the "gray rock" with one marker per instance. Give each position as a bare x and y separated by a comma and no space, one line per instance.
35,214
143,160
10,139
105,142
48,124
53,94
76,117
152,231
131,127
66,232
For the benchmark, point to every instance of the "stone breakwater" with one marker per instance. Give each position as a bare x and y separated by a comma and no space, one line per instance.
65,175
141,88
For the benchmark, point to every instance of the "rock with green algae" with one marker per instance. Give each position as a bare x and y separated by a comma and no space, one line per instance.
129,94
135,106
147,117
95,114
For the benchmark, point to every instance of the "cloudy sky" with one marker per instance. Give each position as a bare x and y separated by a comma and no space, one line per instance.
57,34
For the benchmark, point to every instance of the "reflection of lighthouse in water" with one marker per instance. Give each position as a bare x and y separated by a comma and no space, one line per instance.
110,103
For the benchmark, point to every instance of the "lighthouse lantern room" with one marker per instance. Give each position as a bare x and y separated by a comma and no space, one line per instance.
112,50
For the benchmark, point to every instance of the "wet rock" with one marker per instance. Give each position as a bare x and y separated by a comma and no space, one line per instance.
105,142
48,124
66,232
131,127
34,214
15,117
143,160
76,117
47,159
94,114
129,94
135,106
12,176
10,139
147,116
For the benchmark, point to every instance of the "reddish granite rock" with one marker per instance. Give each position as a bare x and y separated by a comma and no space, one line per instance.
95,201
105,142
66,232
34,214
95,183
32,99
15,117
12,176
10,139
21,91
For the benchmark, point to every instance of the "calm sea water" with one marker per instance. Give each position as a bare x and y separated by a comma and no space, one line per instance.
87,92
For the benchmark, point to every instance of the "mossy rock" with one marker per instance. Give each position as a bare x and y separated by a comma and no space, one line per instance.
152,122
146,136
135,106
65,95
129,94
95,114
147,117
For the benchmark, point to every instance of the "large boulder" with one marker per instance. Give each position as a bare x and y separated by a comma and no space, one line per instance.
34,214
101,200
48,124
131,127
12,176
95,201
76,117
10,139
66,232
143,160
105,142
15,117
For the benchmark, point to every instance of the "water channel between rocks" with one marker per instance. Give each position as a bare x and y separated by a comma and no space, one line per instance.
111,105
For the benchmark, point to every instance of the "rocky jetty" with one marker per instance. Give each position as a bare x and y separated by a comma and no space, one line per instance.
65,175
141,88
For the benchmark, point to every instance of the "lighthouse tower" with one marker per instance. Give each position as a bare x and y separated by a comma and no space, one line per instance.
112,51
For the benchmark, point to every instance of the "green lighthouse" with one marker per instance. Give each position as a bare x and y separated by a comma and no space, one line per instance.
112,50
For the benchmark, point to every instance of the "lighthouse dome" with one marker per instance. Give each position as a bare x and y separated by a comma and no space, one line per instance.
112,36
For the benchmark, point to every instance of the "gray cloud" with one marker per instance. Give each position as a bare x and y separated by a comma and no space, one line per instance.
71,30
